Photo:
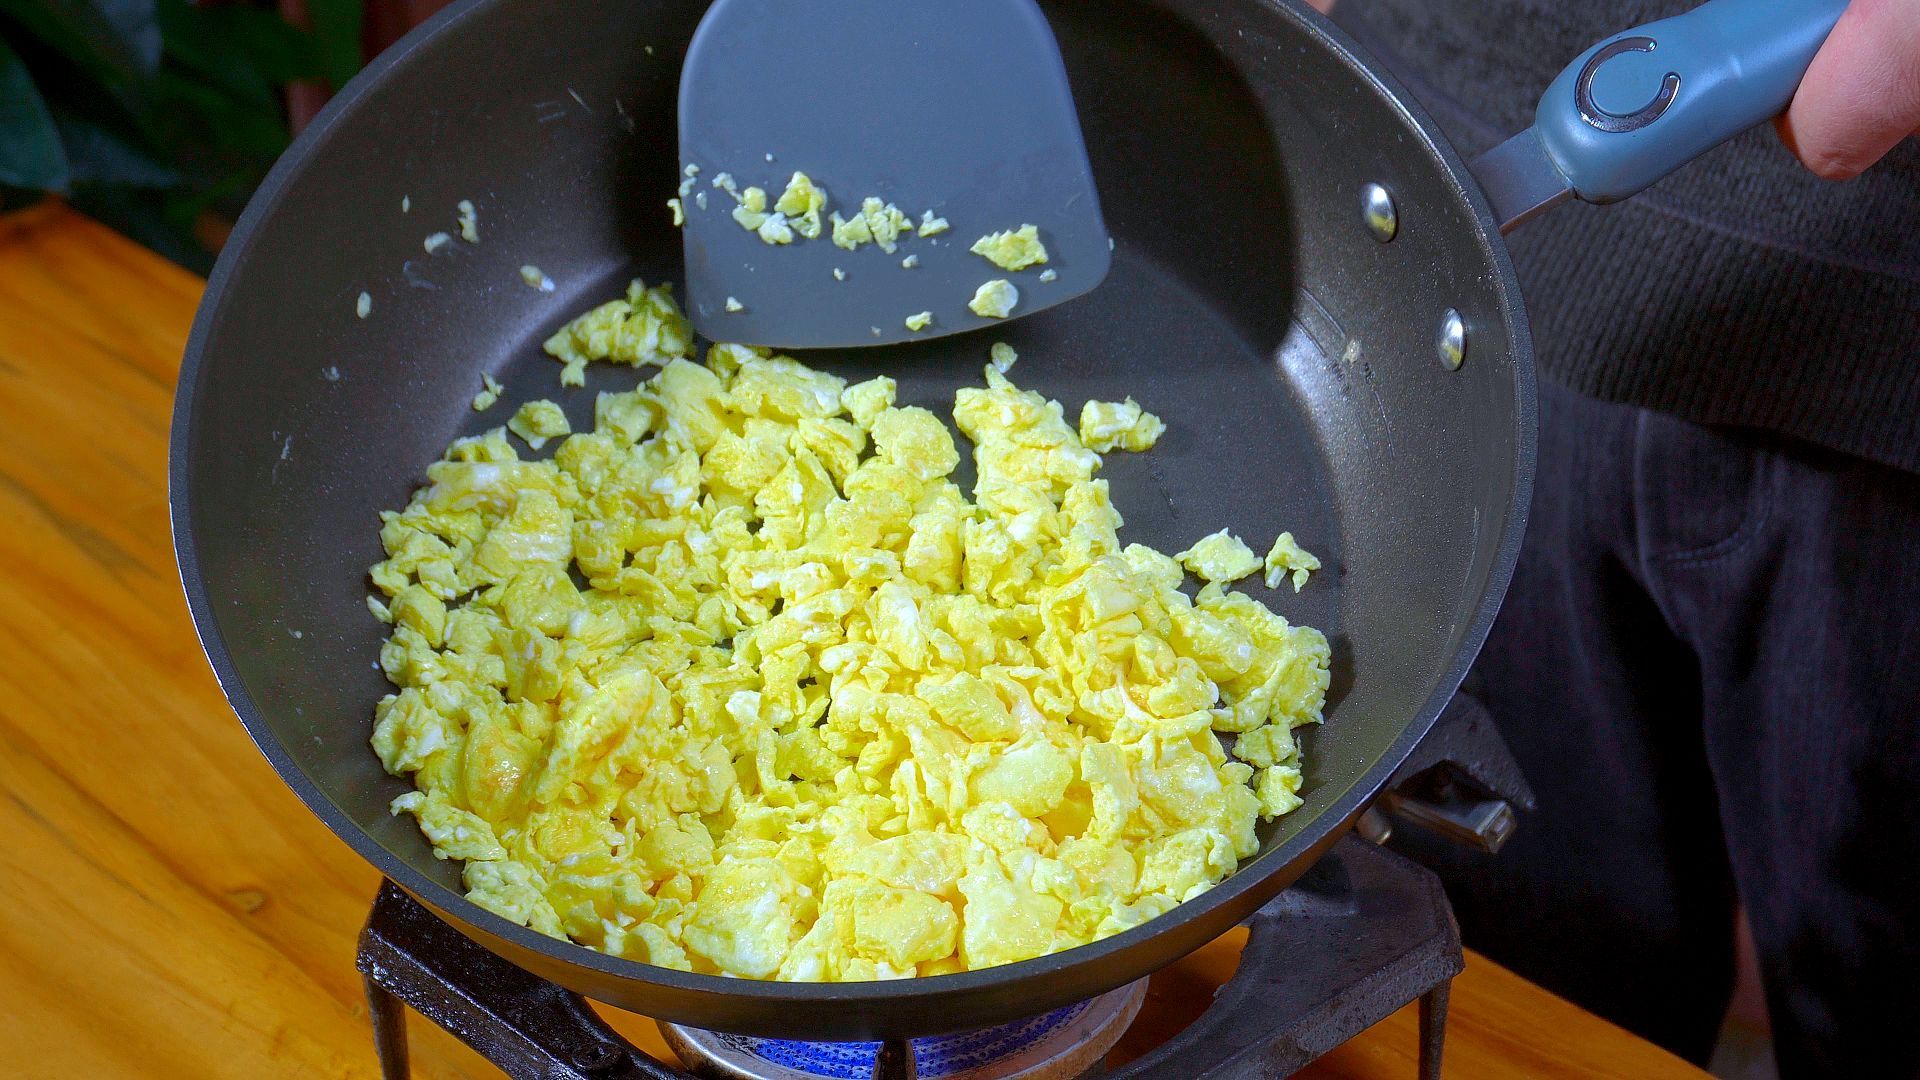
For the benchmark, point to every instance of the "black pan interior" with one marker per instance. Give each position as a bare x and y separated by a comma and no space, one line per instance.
1289,352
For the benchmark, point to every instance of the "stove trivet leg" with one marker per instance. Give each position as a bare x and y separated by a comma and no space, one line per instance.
1433,1029
895,1061
388,1014
1360,935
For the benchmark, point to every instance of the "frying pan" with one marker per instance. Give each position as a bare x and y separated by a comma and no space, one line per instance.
1373,395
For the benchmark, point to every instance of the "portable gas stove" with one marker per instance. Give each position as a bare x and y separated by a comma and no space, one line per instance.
1360,935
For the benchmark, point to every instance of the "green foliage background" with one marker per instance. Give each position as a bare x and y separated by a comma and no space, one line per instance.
147,113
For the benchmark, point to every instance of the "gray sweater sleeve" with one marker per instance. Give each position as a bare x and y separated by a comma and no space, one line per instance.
1742,291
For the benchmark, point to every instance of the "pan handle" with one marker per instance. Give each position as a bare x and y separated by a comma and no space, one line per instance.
1642,103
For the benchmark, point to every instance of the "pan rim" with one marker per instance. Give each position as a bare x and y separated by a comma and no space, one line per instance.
1252,884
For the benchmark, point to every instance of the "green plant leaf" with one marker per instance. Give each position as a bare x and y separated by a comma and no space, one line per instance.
196,118
122,36
97,154
248,51
150,218
336,31
31,155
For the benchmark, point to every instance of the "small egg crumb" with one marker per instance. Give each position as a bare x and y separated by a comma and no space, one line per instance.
802,202
1015,249
691,170
1122,425
406,204
995,299
700,199
909,262
752,211
469,221
920,322
363,305
775,229
679,212
1219,557
724,181
490,393
1048,275
849,233
436,242
535,279
1287,555
885,222
735,305
539,421
839,274
932,226
1002,357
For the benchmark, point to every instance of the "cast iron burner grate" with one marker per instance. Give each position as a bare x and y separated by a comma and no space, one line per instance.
1362,933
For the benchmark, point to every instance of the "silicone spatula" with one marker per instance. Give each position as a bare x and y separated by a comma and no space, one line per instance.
958,107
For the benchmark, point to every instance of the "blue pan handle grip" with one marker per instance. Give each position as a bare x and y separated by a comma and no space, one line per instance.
1641,104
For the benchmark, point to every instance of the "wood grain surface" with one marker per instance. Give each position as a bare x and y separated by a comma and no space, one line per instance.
167,908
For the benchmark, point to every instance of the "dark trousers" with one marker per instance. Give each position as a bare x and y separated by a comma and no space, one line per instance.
1709,668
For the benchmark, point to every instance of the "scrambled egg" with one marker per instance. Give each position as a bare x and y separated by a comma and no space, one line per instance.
1221,557
1015,249
536,279
920,322
801,203
878,222
490,389
816,713
1288,555
644,328
538,422
1121,425
995,299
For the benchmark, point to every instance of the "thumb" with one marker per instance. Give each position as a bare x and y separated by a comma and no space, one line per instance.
1861,96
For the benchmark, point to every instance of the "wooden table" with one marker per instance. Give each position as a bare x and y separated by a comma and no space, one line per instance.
167,908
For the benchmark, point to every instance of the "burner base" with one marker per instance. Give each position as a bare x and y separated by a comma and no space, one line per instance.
1061,1045
1360,935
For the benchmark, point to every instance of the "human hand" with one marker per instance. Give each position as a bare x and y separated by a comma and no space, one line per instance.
1862,94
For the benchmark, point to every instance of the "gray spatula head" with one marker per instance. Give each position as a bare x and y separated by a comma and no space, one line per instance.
958,107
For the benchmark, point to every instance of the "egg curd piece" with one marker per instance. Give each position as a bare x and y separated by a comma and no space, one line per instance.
1287,556
994,299
1108,425
1221,557
740,682
1014,249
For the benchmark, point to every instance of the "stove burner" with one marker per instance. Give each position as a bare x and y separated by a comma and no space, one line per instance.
1362,933
1059,1045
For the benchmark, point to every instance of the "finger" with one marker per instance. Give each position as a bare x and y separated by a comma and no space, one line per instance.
1862,93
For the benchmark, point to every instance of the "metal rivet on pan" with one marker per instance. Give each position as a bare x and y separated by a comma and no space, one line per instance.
1383,221
1451,340
596,1057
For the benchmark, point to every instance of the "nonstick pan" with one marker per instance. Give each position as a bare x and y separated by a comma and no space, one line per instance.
1308,285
